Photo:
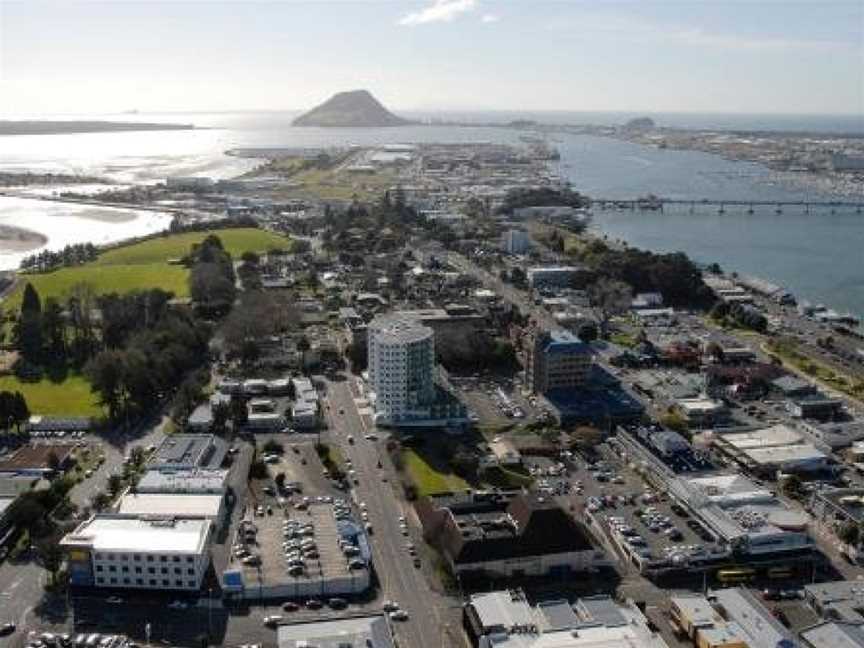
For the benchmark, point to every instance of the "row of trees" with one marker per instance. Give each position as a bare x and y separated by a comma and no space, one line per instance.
70,255
62,333
740,315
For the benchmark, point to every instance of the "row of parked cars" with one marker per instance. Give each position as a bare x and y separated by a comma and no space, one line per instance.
92,640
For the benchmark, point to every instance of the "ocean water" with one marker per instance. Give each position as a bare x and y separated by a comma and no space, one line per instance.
816,255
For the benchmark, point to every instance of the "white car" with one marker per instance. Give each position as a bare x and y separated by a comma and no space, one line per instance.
390,606
399,615
272,620
178,605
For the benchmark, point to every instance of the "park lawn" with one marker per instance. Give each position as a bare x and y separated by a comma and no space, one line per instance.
70,397
117,278
176,246
427,478
143,265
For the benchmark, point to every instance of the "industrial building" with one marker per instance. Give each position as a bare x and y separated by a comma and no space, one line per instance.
743,514
505,619
139,552
772,449
503,537
557,360
839,600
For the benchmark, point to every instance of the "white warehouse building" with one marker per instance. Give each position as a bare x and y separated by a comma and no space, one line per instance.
139,552
401,369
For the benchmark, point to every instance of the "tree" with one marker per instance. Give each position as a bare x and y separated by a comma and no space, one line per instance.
715,351
54,328
115,483
53,462
849,533
210,286
220,412
674,421
793,486
609,297
51,555
239,413
587,438
303,346
465,463
105,372
587,332
28,513
29,328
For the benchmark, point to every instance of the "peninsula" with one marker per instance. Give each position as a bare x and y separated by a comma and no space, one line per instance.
39,127
356,108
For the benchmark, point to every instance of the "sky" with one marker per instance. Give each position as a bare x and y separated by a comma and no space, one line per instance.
717,56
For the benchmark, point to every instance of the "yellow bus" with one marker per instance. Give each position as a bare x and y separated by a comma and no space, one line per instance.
779,572
730,576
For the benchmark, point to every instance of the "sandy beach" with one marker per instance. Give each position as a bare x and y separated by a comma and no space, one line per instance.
18,239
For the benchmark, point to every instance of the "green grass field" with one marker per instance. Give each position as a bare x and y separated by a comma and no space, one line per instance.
72,397
428,479
143,265
163,249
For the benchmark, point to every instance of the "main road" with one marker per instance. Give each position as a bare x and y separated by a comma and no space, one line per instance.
433,617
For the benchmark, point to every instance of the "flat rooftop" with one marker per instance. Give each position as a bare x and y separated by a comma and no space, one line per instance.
769,437
733,506
781,454
189,451
183,481
357,632
130,534
170,504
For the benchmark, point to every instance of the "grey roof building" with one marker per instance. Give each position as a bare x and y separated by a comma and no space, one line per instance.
358,632
189,451
834,634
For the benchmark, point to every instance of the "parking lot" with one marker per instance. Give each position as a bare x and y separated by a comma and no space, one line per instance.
637,520
496,400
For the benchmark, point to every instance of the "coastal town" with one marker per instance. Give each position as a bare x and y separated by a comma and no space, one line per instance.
405,395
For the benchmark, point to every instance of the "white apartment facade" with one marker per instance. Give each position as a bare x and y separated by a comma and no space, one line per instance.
401,369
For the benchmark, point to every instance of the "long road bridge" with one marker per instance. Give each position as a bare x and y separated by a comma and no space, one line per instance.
657,204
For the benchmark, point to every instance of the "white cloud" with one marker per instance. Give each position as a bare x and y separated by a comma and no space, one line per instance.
439,11
489,18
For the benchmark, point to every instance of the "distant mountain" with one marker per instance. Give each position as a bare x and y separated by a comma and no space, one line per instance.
640,124
357,108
